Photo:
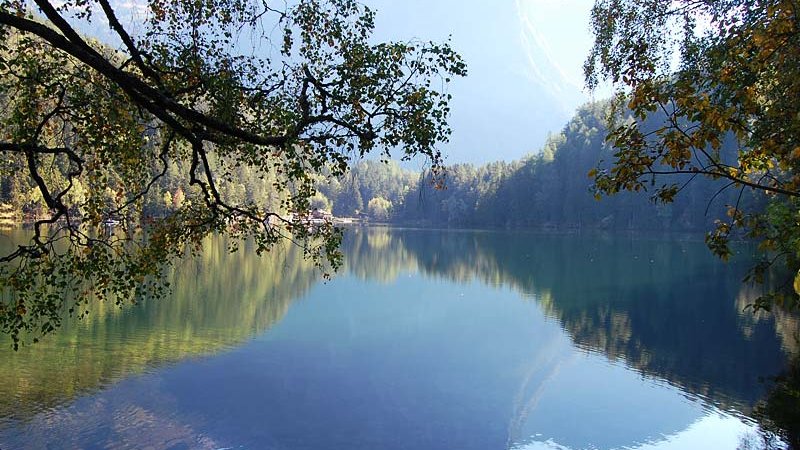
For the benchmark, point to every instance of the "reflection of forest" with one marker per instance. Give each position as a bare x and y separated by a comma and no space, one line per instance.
666,308
219,299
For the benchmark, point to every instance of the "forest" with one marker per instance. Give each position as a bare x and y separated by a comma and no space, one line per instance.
552,188
549,189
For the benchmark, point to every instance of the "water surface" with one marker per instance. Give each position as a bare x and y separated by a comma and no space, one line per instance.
426,340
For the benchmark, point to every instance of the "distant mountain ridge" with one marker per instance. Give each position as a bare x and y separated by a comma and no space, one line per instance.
549,189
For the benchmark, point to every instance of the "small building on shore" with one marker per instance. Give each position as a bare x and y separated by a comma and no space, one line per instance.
321,214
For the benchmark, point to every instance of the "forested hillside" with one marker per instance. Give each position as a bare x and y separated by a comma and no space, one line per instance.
168,193
549,189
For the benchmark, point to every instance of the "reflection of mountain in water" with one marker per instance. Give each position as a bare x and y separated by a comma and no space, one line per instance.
219,300
618,297
668,309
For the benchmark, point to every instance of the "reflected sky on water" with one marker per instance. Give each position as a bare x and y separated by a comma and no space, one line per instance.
426,340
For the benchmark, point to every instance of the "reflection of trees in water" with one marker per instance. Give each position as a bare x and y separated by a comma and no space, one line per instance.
669,309
376,254
779,412
787,324
219,299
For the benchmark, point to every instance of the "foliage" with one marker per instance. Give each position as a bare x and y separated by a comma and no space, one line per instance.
716,71
366,180
379,208
206,93
319,202
547,190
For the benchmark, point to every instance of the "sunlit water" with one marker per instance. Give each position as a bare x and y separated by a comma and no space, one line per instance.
426,340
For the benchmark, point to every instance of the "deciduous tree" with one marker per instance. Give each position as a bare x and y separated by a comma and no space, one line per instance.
716,70
209,87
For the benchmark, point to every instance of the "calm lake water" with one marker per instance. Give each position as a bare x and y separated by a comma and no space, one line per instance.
425,340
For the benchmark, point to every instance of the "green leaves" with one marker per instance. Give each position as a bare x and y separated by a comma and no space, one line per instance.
733,80
195,102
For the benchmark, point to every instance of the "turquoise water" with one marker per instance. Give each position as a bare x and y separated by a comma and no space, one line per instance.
426,340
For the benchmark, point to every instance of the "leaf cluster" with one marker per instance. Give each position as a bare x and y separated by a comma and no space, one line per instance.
208,89
716,72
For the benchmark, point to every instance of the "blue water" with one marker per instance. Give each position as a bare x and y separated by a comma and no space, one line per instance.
425,355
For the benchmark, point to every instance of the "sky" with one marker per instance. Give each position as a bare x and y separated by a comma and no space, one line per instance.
524,59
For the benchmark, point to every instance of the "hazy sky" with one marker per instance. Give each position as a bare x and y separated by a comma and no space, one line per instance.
524,59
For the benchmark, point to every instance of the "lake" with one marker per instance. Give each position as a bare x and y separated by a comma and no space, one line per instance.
424,340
